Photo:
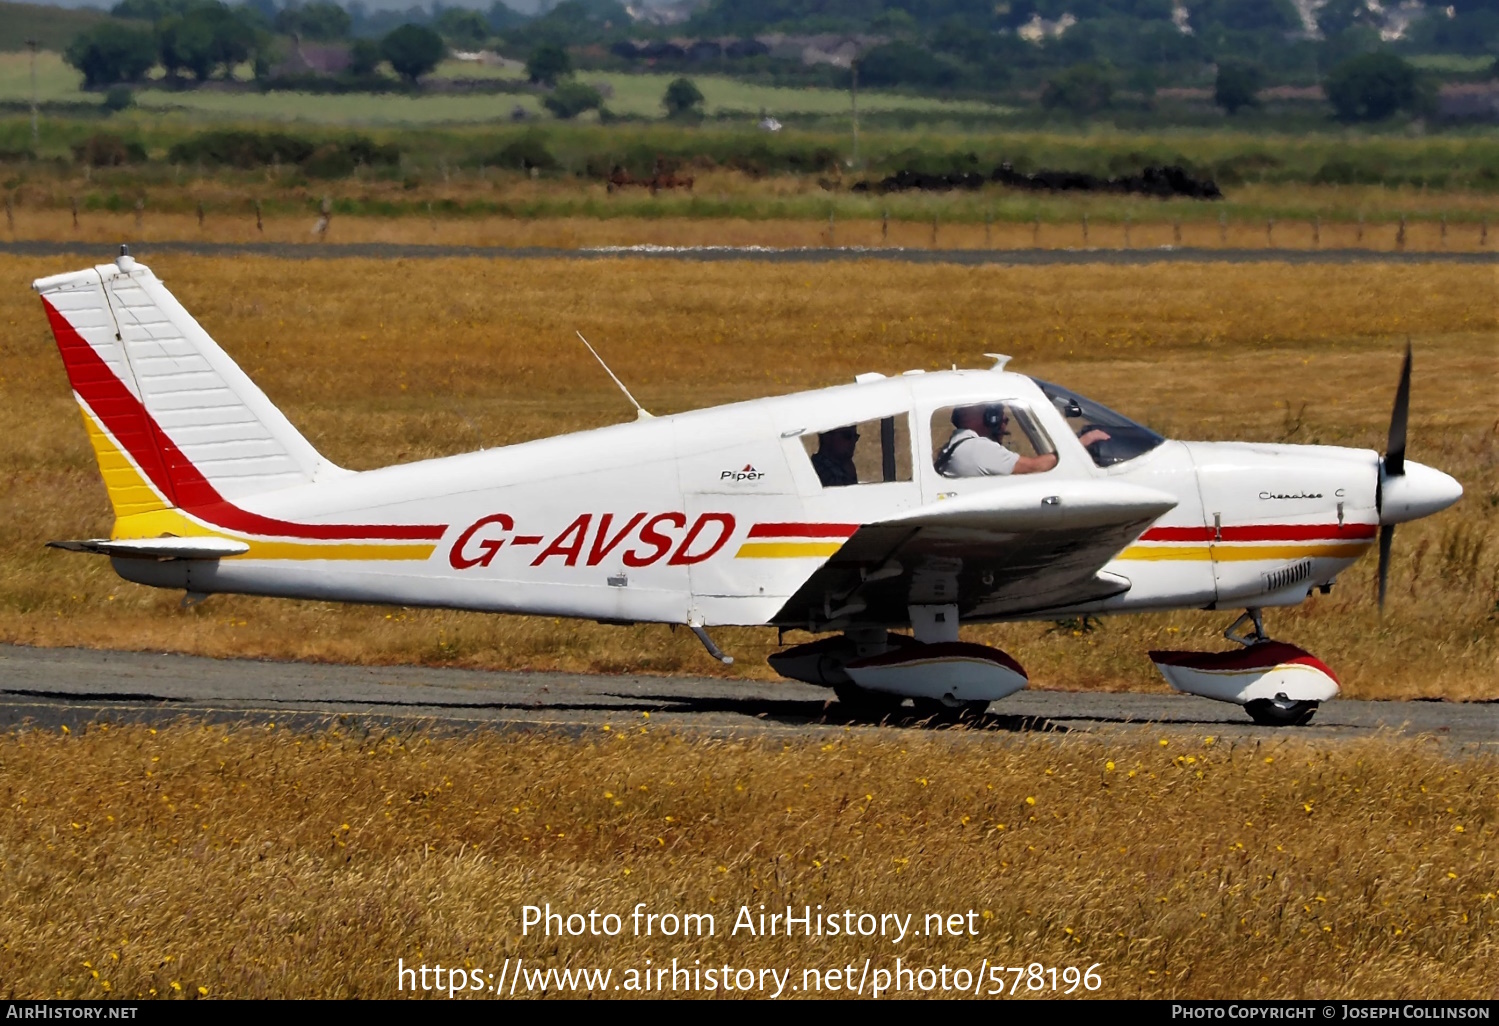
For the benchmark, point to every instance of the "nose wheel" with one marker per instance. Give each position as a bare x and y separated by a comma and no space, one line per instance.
1280,712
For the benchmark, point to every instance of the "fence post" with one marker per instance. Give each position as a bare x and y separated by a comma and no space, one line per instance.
1483,233
1317,232
73,203
1444,231
259,225
1361,228
1085,230
1400,235
832,227
1269,231
885,227
200,215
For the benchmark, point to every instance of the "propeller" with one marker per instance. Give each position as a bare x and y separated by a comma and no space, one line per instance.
1393,465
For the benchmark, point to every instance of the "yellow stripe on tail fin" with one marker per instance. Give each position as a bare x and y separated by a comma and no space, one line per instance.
129,491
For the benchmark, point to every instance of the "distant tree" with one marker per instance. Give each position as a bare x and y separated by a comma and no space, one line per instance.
900,63
682,99
208,36
118,98
1371,87
462,28
548,63
1335,17
1274,16
1081,89
1237,84
502,18
319,20
412,50
109,54
364,57
186,43
153,10
570,99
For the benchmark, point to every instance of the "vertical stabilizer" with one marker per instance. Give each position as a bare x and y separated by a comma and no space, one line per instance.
173,419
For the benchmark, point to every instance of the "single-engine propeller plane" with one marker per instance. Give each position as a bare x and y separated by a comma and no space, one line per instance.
851,511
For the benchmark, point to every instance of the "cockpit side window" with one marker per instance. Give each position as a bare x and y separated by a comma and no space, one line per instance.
869,452
1109,437
990,439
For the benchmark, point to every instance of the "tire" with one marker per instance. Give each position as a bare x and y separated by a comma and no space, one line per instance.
864,704
938,712
1280,712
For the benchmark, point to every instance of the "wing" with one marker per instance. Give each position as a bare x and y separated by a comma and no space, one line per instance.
1011,550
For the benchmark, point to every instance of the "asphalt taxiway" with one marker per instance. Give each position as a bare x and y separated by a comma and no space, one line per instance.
52,687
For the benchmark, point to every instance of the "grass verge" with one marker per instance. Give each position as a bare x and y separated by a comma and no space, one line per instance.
257,862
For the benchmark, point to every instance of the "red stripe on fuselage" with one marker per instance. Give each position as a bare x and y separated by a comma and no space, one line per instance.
170,470
803,530
1262,532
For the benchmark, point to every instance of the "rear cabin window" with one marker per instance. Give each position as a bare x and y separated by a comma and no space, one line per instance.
975,426
869,452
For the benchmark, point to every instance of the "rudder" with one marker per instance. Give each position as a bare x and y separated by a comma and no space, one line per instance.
173,420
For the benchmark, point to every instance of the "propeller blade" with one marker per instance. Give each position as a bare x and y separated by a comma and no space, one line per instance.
1386,536
1394,457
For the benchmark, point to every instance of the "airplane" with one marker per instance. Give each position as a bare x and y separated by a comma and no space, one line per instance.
825,511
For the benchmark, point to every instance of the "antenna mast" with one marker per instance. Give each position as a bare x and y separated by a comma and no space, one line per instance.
640,413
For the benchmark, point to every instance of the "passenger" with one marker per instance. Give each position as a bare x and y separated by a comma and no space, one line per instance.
834,459
976,450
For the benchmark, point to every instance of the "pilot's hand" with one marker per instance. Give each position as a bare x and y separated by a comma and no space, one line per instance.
1090,437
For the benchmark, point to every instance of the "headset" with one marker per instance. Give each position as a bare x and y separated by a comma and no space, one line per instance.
994,415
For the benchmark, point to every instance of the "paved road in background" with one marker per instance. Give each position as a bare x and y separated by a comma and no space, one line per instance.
759,254
53,687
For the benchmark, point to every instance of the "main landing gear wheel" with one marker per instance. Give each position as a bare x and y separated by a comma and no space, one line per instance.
939,711
865,704
1280,712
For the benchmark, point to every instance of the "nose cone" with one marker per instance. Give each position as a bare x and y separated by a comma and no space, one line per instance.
1419,492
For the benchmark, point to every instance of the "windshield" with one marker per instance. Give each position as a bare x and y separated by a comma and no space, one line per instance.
1125,440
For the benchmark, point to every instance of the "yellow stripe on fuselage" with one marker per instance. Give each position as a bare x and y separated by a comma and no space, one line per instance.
787,550
140,513
1244,553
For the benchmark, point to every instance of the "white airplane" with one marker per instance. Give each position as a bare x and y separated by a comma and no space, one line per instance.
823,511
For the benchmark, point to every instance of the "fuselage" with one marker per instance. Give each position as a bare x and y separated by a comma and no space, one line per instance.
718,516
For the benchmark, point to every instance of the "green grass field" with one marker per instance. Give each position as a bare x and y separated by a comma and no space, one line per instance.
635,95
52,27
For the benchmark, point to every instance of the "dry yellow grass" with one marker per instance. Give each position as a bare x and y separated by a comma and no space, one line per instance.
263,863
382,362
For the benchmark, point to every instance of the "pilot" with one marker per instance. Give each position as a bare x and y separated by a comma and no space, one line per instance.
976,447
834,458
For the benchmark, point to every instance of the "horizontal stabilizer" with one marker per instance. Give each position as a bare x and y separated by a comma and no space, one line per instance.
157,548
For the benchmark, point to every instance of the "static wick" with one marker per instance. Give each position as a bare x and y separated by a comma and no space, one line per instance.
640,413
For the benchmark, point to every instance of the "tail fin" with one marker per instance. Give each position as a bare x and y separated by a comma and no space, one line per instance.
174,421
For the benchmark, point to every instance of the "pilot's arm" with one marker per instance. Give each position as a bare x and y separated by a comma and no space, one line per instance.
1036,464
